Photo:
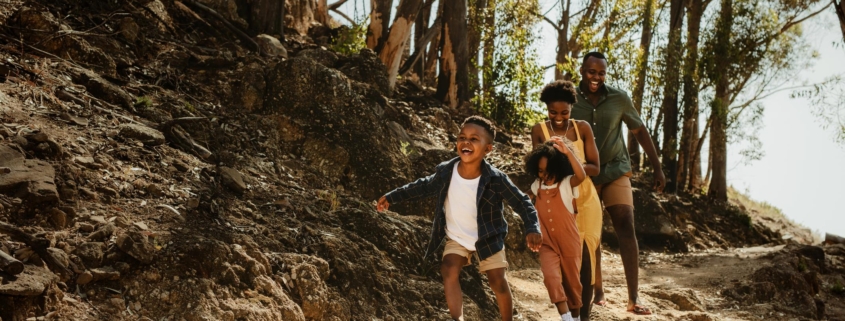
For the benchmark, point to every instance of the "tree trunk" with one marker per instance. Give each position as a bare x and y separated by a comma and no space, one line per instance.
420,29
322,13
397,39
840,12
452,83
379,24
670,95
718,189
489,48
434,50
642,71
562,58
689,167
267,17
478,9
695,182
303,13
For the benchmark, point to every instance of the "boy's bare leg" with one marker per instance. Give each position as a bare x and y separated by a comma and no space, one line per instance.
499,284
623,224
450,269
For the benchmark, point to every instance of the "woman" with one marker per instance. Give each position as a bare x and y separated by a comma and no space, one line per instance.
559,96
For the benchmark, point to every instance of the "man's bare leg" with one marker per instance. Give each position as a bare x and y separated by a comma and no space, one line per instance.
450,269
623,223
499,283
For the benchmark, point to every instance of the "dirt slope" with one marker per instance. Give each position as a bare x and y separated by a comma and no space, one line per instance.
159,170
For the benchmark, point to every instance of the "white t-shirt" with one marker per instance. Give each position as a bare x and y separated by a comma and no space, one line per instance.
461,210
567,192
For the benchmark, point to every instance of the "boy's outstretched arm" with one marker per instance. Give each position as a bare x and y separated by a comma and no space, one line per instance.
521,203
423,187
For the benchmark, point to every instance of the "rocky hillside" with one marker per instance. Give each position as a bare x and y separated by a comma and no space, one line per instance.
153,167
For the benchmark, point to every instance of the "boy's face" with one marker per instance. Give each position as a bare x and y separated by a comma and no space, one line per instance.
473,143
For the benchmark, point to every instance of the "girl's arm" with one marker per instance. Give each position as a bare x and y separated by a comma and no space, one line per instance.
580,175
591,152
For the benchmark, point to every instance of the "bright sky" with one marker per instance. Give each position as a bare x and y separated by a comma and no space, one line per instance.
803,170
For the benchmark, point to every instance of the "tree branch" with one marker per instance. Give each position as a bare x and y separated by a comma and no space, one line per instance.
343,15
789,25
336,5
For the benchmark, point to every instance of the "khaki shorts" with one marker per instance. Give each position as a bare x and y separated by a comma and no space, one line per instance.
495,261
617,192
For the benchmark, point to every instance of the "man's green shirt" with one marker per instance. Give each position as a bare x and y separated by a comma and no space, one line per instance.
606,118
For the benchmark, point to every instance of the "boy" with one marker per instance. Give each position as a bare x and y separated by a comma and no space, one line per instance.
470,194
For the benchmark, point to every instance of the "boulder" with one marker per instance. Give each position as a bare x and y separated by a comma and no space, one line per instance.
31,180
232,179
342,113
31,282
144,134
321,56
270,46
367,68
138,245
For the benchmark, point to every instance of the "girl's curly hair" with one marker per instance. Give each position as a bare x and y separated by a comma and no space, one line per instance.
557,166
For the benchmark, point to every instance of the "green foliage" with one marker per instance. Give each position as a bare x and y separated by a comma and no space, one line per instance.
802,264
350,39
406,149
828,101
838,288
143,102
516,71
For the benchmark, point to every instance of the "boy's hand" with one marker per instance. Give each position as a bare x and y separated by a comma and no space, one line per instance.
382,204
534,241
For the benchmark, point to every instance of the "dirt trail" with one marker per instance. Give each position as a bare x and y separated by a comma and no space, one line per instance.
674,286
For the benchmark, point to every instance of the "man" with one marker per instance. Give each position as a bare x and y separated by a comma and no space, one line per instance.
606,108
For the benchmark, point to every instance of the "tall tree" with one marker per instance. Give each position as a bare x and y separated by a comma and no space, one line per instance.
453,81
268,17
420,29
489,35
379,27
840,12
689,162
562,57
642,71
478,13
671,77
718,189
397,39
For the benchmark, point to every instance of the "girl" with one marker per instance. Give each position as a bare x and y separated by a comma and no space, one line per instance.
558,174
559,96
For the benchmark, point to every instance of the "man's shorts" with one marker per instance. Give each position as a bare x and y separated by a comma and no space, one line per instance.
617,192
495,261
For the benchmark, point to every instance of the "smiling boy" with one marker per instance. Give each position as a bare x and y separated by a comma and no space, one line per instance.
469,214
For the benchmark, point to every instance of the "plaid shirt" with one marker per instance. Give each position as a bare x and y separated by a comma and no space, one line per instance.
494,187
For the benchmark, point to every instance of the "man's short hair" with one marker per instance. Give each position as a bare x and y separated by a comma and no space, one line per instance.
559,90
595,54
484,123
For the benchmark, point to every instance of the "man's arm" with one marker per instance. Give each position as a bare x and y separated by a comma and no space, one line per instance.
642,136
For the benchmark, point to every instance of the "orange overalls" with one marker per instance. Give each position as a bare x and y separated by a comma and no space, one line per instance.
560,254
